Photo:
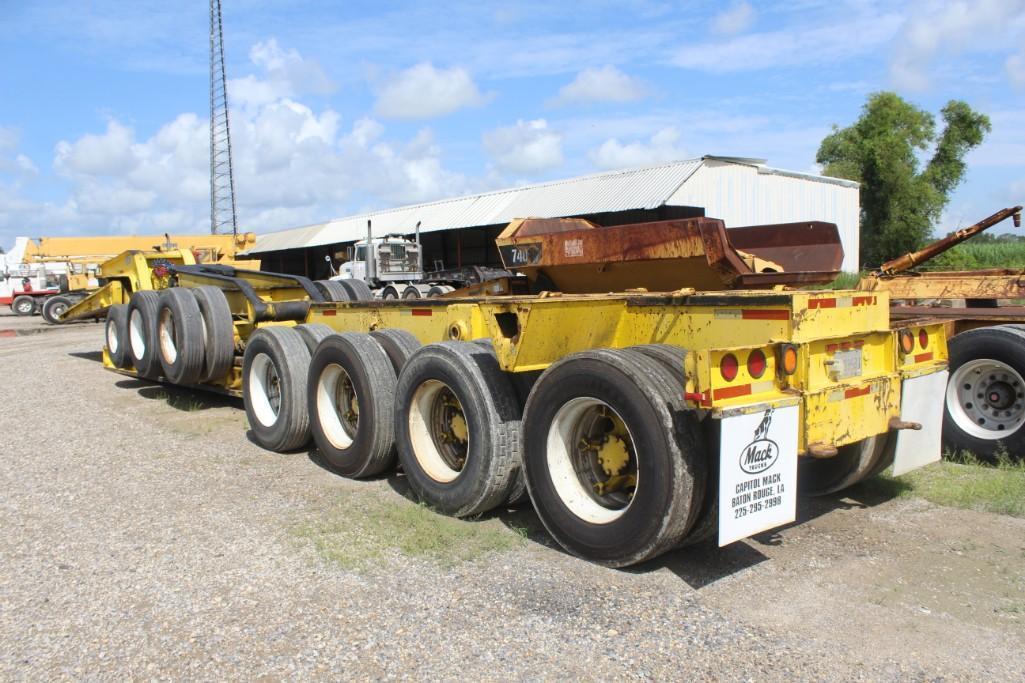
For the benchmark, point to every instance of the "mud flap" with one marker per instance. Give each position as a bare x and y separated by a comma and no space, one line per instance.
757,472
921,400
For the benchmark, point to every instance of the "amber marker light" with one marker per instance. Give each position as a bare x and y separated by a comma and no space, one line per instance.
788,358
907,341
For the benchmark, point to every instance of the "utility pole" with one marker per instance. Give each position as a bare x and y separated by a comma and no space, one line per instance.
223,213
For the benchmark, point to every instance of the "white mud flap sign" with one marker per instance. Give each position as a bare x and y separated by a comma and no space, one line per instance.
921,401
757,472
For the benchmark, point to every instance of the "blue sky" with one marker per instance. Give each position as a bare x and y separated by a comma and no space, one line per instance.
342,107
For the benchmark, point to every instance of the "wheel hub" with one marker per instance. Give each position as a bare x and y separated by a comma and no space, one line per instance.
986,398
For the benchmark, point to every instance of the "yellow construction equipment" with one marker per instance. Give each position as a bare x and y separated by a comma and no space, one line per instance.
84,259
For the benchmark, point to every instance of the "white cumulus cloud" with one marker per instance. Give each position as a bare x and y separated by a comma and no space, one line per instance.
293,165
662,146
424,91
737,18
286,73
605,84
944,29
526,147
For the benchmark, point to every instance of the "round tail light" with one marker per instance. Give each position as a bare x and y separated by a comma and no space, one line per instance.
728,366
923,338
756,364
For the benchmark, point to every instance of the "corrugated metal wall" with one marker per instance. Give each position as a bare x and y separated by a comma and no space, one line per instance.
744,195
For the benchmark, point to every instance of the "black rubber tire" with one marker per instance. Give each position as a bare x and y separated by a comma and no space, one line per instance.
1004,343
116,336
706,525
642,392
491,412
180,336
390,292
332,290
398,344
412,292
672,357
370,449
439,290
522,383
219,329
143,310
853,463
313,334
24,305
54,306
283,350
357,289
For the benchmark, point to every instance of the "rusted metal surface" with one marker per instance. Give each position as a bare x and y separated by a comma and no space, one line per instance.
574,255
936,248
955,284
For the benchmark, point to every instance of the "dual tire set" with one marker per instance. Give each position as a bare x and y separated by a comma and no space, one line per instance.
185,335
611,458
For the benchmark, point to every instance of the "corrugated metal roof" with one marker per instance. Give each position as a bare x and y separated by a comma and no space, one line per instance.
647,187
637,188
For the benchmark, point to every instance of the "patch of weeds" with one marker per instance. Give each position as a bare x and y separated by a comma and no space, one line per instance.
185,403
964,481
360,535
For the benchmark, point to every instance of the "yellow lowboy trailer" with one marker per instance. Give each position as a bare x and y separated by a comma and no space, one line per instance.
634,422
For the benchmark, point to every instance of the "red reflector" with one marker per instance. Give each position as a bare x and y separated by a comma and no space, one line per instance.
923,339
732,392
923,357
422,311
760,314
728,366
330,311
854,393
756,364
822,303
832,348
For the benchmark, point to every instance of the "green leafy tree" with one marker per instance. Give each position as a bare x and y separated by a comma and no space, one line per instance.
884,151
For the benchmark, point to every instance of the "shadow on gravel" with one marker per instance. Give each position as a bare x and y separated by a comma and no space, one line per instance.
179,398
520,518
96,356
317,458
866,494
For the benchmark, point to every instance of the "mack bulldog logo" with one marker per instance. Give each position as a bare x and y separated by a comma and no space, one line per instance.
762,452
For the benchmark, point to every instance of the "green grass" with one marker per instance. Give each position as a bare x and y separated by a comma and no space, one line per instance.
973,255
963,481
359,535
842,281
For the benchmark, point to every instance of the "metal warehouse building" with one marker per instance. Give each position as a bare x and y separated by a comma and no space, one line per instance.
461,231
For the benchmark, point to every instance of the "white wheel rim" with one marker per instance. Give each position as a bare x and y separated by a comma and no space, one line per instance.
562,443
986,399
26,306
423,434
165,331
112,341
264,390
137,334
333,397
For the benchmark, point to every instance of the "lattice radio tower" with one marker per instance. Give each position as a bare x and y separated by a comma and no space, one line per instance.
223,215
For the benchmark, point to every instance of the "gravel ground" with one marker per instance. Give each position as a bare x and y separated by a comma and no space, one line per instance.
146,536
